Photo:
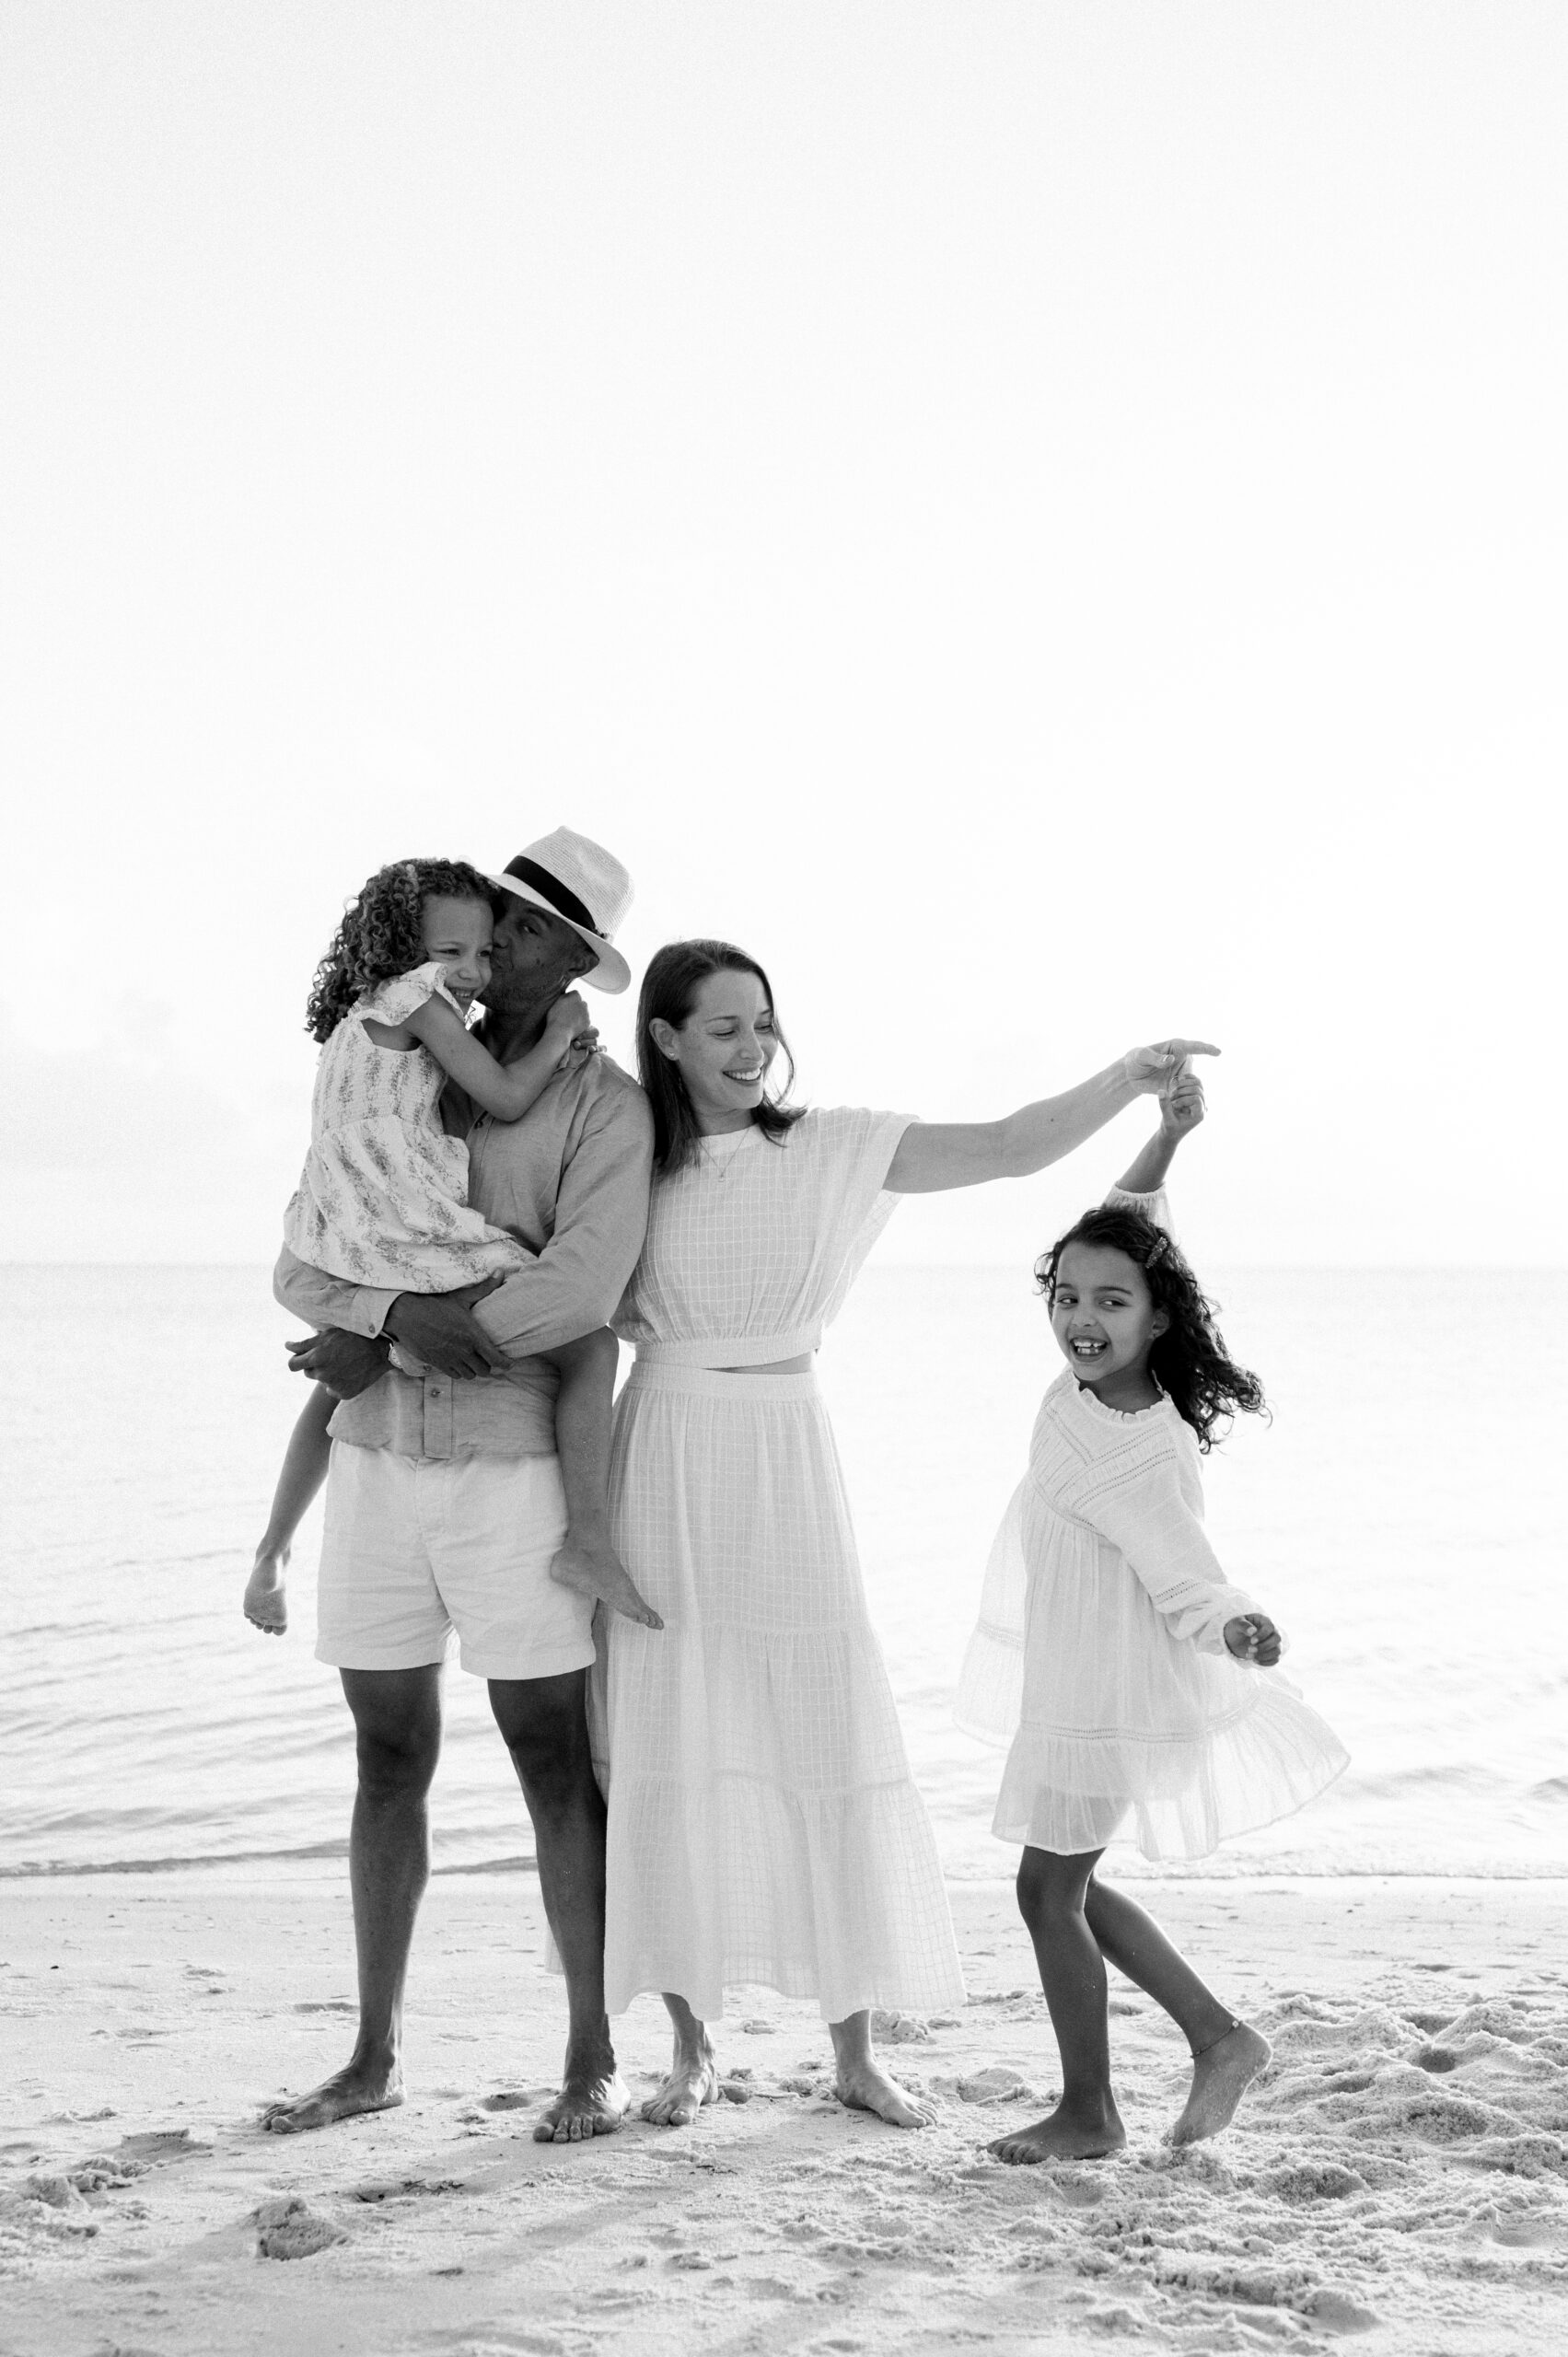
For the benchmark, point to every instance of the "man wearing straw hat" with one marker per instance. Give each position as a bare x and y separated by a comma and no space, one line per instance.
442,1501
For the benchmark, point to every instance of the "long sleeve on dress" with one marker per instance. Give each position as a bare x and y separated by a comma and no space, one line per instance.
1155,1206
1150,1521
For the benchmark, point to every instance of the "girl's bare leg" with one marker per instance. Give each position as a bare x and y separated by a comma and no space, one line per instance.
304,1470
864,2085
1086,2124
587,1561
1226,2054
694,2073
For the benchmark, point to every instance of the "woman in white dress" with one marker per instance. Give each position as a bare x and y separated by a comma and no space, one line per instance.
764,1824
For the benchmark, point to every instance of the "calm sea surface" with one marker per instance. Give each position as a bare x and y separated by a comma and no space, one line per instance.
1402,1518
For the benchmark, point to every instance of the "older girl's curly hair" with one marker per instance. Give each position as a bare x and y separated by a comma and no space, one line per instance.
381,935
1189,1360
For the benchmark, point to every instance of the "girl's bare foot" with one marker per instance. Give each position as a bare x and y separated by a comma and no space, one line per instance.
693,2081
1064,2135
1221,2076
591,1567
368,2084
864,2085
266,1604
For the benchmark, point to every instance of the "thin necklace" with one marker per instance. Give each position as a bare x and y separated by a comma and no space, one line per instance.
721,1162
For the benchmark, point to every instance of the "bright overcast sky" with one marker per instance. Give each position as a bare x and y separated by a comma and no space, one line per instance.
1044,522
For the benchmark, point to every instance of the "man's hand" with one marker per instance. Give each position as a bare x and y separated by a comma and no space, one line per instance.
441,1330
345,1363
1252,1636
1152,1069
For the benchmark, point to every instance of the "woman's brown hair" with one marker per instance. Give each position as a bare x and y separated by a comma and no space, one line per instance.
668,994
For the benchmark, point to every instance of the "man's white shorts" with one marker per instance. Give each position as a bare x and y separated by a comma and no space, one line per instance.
416,1546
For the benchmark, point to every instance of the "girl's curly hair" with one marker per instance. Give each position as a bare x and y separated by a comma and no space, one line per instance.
1189,1360
381,935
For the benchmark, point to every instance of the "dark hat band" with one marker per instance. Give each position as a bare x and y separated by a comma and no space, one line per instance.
550,887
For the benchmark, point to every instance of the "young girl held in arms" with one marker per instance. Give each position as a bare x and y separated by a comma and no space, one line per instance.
1129,1675
383,1198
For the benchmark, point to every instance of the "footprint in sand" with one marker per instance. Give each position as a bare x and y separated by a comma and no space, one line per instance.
161,2144
400,2189
289,2228
1337,2312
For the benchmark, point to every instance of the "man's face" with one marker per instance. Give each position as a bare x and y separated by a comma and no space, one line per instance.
534,957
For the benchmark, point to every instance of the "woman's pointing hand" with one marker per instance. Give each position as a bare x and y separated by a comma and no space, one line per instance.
1151,1070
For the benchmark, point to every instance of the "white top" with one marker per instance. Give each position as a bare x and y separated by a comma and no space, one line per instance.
752,1250
383,1199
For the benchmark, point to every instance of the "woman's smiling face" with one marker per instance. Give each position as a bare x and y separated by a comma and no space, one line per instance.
1102,1313
723,1049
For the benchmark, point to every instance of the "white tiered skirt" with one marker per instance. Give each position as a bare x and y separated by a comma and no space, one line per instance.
1124,1730
764,1824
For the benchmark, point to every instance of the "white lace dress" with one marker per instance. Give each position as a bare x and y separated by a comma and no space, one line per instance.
1100,1657
383,1199
763,1825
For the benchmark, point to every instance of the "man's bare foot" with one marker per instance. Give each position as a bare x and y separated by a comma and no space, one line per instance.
592,1567
864,2085
693,2081
1221,2076
361,2087
1063,2136
591,2103
266,1606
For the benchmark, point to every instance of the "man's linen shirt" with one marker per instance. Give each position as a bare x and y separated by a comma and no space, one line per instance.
570,1179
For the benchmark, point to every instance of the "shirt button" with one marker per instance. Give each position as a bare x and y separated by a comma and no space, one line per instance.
436,1391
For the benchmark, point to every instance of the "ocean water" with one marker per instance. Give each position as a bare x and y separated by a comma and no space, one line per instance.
1402,1518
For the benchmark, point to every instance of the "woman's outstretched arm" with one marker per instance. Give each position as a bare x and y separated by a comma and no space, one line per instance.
934,1155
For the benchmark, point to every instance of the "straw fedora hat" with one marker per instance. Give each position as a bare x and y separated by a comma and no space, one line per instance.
584,884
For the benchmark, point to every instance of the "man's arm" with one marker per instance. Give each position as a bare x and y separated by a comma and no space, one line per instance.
345,1353
601,1217
350,1348
325,1301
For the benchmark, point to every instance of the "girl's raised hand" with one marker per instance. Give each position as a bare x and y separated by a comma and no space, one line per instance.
1182,1104
1152,1069
1252,1636
569,1026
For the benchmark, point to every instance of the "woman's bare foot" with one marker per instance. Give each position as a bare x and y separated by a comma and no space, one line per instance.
1221,2076
360,2086
1064,2135
266,1606
864,2085
591,2103
693,2080
591,1567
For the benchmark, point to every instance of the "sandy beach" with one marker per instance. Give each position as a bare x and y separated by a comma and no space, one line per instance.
1401,2173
